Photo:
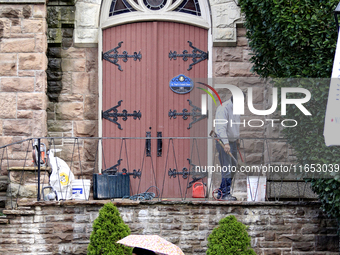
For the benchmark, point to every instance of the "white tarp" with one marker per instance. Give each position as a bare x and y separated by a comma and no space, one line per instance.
332,121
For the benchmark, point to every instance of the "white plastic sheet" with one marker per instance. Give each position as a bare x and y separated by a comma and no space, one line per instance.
61,177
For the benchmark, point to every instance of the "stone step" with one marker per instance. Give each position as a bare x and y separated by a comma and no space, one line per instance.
3,220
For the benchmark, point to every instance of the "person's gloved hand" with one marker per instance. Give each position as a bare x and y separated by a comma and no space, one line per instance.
227,148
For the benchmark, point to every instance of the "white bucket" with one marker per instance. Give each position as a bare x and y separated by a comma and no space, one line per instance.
256,188
78,192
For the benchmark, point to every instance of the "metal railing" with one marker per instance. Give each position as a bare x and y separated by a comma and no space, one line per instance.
169,172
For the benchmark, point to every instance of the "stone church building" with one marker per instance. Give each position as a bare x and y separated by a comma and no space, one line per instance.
66,67
57,78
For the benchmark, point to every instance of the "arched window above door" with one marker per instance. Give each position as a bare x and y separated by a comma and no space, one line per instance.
193,12
185,6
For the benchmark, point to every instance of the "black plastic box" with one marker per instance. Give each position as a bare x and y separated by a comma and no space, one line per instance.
111,186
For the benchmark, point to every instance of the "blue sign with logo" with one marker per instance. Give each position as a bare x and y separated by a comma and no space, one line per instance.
181,84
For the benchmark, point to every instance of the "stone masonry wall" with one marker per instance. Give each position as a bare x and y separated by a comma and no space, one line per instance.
72,90
275,228
75,113
23,63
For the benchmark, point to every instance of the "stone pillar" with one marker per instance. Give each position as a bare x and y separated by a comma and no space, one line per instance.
72,86
23,62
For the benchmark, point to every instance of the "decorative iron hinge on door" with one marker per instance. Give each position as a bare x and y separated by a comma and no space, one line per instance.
173,173
196,114
112,114
197,55
113,58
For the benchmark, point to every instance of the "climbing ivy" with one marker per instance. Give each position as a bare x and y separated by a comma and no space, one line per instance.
297,39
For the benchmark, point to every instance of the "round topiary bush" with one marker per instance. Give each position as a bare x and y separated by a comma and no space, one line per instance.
230,237
108,228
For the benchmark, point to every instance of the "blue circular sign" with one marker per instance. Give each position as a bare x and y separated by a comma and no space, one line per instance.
181,84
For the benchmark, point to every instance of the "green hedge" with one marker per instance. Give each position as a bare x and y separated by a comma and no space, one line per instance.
108,228
229,238
297,39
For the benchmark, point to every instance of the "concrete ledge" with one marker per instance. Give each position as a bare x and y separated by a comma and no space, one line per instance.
156,202
74,203
18,212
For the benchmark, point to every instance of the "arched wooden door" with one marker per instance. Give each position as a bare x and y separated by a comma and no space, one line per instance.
141,84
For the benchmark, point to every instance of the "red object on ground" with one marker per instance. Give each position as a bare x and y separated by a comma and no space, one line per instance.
198,190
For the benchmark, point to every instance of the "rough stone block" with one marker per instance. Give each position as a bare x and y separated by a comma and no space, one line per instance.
33,101
41,43
5,140
39,124
303,246
69,111
251,146
16,32
54,75
224,36
8,106
66,83
17,84
257,95
242,42
85,128
54,64
27,11
16,190
221,69
296,238
241,31
73,53
17,128
86,15
41,81
327,243
73,65
232,54
39,11
278,151
247,54
87,36
59,126
93,83
80,83
18,45
23,176
241,69
91,108
5,30
25,114
92,60
34,26
32,61
271,251
67,42
71,98
8,66
26,73
225,14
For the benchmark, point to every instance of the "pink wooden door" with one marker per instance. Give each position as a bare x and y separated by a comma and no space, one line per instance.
143,86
